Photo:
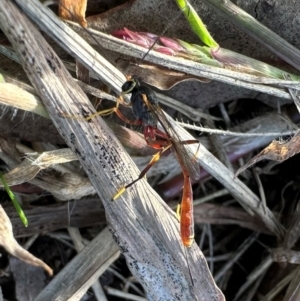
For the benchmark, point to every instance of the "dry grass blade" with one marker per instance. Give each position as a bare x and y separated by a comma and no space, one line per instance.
74,280
139,220
120,294
242,249
34,163
238,189
71,186
82,213
8,241
280,286
256,274
221,215
293,291
79,245
10,93
256,83
293,233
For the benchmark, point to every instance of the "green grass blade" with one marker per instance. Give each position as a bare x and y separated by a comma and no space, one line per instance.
15,201
196,24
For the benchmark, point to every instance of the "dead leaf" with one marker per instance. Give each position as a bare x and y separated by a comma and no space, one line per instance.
9,243
156,76
73,10
276,151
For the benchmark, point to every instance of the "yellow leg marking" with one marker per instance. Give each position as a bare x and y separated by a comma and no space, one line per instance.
108,111
101,113
178,209
119,193
198,150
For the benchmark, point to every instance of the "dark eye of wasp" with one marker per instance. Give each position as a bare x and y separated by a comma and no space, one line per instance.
129,86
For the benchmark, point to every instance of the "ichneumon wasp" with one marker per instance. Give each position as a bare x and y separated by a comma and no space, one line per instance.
148,113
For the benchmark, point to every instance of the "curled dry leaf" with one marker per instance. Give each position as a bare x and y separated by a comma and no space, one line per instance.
34,163
276,151
73,10
159,77
12,95
8,241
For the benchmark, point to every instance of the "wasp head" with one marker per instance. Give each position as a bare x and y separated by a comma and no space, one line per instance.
130,85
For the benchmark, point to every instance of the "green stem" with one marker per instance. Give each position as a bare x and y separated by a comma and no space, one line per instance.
196,24
15,201
257,31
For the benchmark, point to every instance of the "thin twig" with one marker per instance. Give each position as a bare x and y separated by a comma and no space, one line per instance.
235,134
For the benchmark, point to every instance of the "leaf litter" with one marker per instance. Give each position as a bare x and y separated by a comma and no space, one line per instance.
226,238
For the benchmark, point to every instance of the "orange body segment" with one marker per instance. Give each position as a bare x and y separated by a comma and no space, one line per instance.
186,213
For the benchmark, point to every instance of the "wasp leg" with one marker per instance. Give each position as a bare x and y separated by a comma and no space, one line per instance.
178,210
154,159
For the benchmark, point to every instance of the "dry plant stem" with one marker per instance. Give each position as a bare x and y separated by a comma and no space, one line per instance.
210,197
74,280
41,220
260,188
294,94
87,88
120,294
218,147
256,83
281,285
78,243
71,186
36,162
30,241
257,31
254,276
235,257
61,237
141,219
251,293
12,94
238,189
127,282
293,233
69,41
193,114
220,215
236,134
293,291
